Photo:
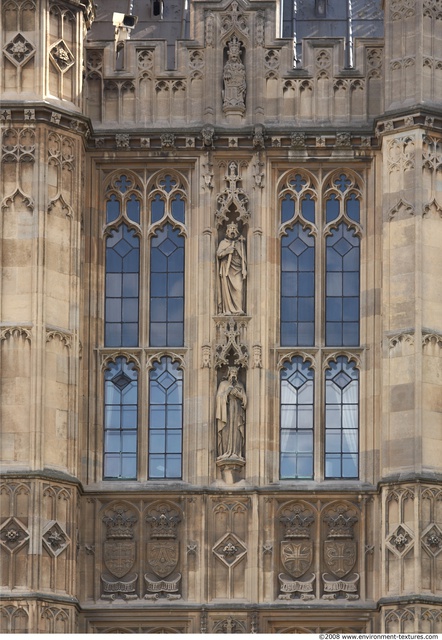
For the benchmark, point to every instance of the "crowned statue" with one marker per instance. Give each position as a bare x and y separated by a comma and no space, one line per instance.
234,77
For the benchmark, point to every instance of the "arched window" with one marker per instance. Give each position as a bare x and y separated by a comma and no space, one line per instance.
167,288
144,238
341,419
165,419
122,279
120,420
297,262
297,419
320,231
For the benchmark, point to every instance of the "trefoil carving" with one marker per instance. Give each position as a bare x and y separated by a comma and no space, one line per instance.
229,626
229,348
233,197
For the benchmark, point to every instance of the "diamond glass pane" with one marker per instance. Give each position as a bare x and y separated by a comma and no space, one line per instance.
120,420
167,288
165,419
341,419
121,298
297,287
296,421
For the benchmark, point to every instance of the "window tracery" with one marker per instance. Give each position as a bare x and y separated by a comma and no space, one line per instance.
320,239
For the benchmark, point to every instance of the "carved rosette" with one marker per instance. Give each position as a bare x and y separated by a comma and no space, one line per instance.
340,553
162,579
296,552
119,554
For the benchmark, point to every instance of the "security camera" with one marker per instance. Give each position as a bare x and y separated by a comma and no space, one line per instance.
124,21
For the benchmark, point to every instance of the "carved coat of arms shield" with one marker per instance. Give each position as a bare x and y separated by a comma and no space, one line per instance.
340,556
296,557
162,556
119,556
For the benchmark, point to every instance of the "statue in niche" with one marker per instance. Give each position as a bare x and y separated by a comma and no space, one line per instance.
231,255
234,77
231,402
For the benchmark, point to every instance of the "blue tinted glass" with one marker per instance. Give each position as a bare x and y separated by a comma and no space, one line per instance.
331,208
297,182
341,419
133,209
168,183
167,288
296,422
342,288
287,208
123,184
297,287
165,419
308,208
120,420
121,297
178,209
112,209
342,182
157,209
353,208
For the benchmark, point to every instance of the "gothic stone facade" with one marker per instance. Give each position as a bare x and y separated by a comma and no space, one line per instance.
158,192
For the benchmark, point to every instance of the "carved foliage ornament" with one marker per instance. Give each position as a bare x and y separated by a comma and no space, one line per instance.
61,56
230,344
229,626
55,539
19,50
13,535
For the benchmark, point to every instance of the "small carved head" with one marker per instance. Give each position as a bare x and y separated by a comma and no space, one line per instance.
232,230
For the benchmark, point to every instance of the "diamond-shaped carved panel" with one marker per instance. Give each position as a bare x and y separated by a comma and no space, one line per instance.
400,541
13,535
55,539
432,540
19,50
230,550
62,56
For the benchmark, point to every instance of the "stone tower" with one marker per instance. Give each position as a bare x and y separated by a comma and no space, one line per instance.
220,320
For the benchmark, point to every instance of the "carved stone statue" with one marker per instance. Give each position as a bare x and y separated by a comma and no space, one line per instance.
231,255
234,76
231,402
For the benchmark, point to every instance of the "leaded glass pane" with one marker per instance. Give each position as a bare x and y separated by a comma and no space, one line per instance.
296,425
341,419
297,287
167,288
122,276
165,419
342,288
120,420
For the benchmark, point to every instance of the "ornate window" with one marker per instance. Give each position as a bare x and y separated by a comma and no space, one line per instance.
320,235
144,239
